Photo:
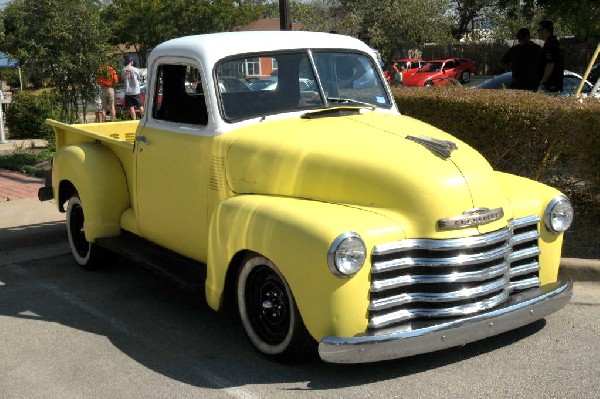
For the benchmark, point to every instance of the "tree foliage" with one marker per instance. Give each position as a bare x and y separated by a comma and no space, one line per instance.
399,24
62,41
143,24
581,18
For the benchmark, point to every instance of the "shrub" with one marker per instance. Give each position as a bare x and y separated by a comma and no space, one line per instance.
26,115
547,138
24,161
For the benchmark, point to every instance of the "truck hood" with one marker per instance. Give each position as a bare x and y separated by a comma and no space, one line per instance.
365,160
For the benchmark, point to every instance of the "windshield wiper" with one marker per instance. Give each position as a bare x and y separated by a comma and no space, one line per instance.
342,100
338,111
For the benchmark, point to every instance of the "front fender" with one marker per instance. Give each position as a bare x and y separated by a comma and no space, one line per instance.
529,197
295,235
97,175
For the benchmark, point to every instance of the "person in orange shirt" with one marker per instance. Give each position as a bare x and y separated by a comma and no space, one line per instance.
107,78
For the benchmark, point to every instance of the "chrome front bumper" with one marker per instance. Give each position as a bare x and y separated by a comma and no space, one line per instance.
521,309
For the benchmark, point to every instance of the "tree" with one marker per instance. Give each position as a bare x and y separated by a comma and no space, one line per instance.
466,12
399,24
314,15
62,40
143,24
580,18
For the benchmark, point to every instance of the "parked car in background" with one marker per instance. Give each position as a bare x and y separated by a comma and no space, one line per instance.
262,84
571,82
441,72
411,65
120,107
232,84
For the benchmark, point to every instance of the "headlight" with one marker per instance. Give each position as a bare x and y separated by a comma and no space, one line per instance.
346,254
559,214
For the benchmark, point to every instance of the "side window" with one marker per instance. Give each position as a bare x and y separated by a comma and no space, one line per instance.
178,95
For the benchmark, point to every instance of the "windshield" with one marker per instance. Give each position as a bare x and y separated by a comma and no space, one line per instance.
431,67
259,85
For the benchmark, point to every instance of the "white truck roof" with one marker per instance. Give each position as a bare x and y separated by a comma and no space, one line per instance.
210,48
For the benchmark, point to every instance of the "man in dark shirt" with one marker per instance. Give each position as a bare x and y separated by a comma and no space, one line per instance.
552,60
523,59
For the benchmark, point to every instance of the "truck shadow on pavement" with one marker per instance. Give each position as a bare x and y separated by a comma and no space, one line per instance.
166,330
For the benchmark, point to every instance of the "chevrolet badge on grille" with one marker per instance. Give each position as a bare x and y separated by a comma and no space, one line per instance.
472,217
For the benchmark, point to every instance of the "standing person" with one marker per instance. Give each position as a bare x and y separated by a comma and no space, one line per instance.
107,78
399,78
132,88
523,59
365,37
552,61
98,109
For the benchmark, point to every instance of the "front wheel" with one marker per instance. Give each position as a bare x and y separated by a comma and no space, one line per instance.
428,83
86,254
269,313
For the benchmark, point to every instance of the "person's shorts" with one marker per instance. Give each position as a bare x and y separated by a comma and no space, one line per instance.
108,97
133,100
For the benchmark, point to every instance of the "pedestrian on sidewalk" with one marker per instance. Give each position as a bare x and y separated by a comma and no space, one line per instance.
132,88
552,59
523,59
107,78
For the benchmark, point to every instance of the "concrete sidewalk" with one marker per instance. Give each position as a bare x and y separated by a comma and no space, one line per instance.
14,145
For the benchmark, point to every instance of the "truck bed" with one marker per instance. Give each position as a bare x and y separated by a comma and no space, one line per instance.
120,134
117,136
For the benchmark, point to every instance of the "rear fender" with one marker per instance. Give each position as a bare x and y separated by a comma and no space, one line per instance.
95,173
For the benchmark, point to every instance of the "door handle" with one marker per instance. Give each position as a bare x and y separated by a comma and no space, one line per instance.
141,139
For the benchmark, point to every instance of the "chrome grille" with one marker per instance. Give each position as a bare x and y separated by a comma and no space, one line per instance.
424,278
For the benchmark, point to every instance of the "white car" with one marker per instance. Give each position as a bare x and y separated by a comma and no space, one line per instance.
571,81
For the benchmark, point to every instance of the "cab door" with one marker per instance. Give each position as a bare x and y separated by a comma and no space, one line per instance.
172,161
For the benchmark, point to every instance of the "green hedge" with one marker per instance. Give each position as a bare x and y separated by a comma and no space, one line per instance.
27,112
551,139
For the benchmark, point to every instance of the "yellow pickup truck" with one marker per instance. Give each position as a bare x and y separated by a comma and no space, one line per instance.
274,171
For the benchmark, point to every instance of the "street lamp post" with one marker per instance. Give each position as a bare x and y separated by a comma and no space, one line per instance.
285,20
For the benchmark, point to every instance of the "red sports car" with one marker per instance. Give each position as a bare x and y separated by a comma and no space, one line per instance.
441,72
411,65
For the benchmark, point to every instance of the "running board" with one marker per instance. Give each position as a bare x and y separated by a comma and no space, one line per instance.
186,273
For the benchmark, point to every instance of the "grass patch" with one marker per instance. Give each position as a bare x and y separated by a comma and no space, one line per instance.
26,161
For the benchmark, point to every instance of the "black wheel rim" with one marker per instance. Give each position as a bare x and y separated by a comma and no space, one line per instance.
267,305
77,233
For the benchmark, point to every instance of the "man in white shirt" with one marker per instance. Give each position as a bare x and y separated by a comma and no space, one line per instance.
133,99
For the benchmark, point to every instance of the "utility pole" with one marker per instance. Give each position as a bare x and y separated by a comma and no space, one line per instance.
285,20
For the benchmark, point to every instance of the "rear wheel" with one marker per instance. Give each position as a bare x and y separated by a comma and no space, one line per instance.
86,254
465,77
269,313
428,83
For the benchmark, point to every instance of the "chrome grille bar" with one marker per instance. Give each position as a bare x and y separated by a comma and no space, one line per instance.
459,260
527,268
401,281
385,320
442,245
437,297
424,278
